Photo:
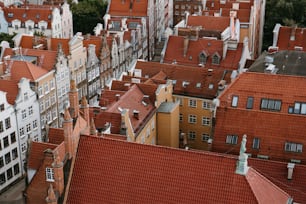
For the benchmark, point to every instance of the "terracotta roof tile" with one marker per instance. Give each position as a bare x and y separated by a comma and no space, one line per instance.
155,175
65,44
209,22
25,69
56,135
286,42
95,40
128,8
11,89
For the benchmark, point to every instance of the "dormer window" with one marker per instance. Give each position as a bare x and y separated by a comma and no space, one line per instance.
216,58
10,15
202,58
49,174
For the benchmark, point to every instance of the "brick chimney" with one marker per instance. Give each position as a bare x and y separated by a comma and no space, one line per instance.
68,129
85,109
58,170
242,164
51,198
93,130
73,99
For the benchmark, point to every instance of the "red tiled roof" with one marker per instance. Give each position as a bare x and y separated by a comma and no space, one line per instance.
11,89
209,22
199,79
284,41
35,14
26,41
56,135
160,174
25,69
95,40
65,44
128,8
196,47
36,154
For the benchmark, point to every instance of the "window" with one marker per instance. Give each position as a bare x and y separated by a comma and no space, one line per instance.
31,110
2,178
216,59
299,108
40,91
270,104
13,137
181,117
191,135
235,101
46,87
23,147
49,174
192,103
7,158
14,153
205,121
256,143
192,119
42,106
7,123
202,58
205,137
9,173
29,127
250,101
231,139
206,105
23,114
47,102
2,107
6,142
16,169
21,131
1,126
293,147
1,162
35,124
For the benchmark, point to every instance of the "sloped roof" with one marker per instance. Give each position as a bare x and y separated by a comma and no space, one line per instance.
128,8
35,14
95,40
56,135
136,173
196,47
199,82
65,44
209,22
27,70
285,42
11,89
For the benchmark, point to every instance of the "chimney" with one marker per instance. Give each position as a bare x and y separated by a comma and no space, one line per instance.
85,109
58,170
117,97
186,42
68,129
73,99
290,167
51,198
292,35
93,130
242,164
136,114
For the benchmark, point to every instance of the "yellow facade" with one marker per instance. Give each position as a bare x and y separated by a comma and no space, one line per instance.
195,121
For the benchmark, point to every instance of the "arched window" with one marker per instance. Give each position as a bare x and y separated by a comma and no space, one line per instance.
202,58
216,58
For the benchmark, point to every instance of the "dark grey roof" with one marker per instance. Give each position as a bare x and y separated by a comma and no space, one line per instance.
286,62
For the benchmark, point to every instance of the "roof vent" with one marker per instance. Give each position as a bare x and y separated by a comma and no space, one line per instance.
136,114
117,97
185,84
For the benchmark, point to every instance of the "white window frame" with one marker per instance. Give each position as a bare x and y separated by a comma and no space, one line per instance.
192,119
192,103
231,139
49,174
206,121
235,101
192,135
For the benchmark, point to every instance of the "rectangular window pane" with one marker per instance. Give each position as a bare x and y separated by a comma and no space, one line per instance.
235,101
303,108
250,103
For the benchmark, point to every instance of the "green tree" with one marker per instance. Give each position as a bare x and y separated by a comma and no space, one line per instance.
8,38
284,12
86,15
